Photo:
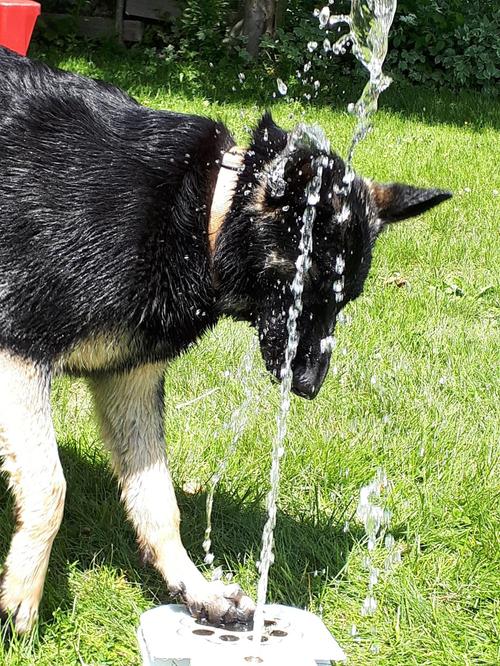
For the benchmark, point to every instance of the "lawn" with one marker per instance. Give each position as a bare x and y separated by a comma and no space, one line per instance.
414,390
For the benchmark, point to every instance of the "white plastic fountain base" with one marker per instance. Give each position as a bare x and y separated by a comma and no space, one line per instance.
169,636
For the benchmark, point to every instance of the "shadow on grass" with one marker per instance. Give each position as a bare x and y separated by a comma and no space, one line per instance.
135,71
95,531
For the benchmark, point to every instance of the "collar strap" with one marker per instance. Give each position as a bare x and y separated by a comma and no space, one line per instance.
233,159
232,165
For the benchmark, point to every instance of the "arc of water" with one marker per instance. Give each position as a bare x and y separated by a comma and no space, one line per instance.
236,426
369,23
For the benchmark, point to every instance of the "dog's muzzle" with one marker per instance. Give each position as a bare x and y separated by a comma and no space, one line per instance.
308,378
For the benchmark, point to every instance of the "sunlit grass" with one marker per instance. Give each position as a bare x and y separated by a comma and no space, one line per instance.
414,390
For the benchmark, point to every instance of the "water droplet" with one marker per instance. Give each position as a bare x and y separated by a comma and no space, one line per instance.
217,573
282,87
369,606
327,344
339,264
323,16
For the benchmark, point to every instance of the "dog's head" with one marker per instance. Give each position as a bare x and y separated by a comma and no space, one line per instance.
261,245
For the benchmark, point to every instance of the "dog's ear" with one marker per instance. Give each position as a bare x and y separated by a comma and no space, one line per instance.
396,202
268,138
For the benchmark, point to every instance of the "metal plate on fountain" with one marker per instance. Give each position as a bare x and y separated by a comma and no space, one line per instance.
169,636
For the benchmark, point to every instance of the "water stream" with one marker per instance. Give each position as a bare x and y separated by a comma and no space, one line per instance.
236,426
314,137
369,23
368,26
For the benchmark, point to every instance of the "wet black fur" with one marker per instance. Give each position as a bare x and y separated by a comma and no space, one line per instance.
104,218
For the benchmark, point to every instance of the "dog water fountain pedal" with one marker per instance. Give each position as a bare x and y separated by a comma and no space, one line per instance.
170,636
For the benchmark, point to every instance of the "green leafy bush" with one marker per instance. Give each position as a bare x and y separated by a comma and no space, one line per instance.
440,43
447,43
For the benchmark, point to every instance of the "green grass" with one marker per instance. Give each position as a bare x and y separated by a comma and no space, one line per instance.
429,418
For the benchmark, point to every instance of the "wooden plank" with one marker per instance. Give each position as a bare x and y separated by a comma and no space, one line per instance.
153,9
133,31
96,27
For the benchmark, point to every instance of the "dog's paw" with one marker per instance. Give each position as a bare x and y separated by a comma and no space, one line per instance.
219,604
22,618
16,613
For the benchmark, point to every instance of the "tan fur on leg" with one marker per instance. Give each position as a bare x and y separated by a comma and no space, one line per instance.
30,458
130,409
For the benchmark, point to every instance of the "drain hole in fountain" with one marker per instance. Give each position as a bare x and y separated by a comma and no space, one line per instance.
228,638
203,632
279,633
263,639
242,627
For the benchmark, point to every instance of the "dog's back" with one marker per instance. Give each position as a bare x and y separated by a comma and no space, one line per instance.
92,187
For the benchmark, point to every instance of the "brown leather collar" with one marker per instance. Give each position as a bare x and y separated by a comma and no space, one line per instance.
231,167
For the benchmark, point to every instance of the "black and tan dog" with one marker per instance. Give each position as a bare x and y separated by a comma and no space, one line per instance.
125,234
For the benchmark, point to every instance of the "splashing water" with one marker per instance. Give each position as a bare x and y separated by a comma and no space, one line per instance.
369,23
376,520
306,137
282,87
236,427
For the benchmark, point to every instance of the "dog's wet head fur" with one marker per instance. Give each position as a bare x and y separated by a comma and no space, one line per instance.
257,250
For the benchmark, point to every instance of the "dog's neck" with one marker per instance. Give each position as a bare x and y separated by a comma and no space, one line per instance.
231,167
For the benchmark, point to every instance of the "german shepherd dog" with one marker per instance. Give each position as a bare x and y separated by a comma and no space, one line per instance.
125,234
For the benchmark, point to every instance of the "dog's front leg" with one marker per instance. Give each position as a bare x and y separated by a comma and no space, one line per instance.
29,452
130,410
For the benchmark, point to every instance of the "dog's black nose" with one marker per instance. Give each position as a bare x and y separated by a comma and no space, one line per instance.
303,394
308,378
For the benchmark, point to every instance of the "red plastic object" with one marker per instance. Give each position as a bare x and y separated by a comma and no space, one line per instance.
17,20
